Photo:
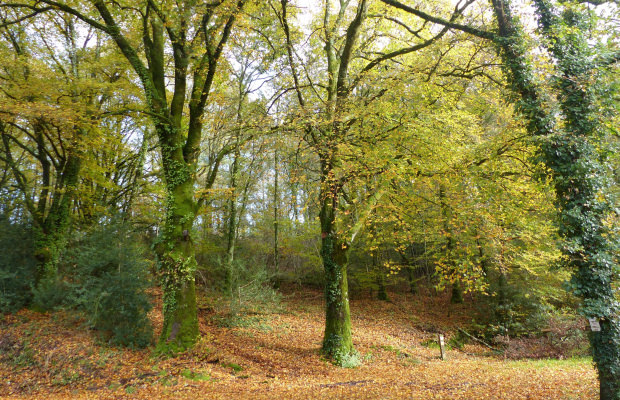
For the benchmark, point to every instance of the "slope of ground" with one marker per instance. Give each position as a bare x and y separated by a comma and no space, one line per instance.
272,356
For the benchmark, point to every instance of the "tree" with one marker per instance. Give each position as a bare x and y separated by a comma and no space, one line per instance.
192,37
582,183
570,153
574,165
51,114
332,115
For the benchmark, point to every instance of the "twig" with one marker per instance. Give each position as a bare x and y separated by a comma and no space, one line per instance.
478,340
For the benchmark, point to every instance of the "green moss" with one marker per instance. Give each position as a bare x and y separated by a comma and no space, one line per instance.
195,375
233,366
180,330
177,264
337,341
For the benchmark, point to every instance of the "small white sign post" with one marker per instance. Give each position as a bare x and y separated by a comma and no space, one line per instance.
595,326
442,347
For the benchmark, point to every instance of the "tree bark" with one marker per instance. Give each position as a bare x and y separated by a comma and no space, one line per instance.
232,222
337,340
276,200
177,263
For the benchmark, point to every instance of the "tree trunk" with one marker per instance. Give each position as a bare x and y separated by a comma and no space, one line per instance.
411,277
502,310
276,200
574,164
51,229
176,254
381,290
49,242
456,296
337,340
232,222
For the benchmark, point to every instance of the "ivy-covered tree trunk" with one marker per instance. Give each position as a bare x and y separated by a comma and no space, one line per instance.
50,238
581,185
337,341
51,230
175,250
575,164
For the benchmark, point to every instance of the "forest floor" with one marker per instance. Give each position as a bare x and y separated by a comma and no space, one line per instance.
276,356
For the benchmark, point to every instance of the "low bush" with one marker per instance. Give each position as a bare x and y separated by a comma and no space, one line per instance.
110,283
17,266
104,274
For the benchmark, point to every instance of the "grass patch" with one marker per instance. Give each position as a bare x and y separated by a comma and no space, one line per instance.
235,367
130,390
552,363
195,375
349,360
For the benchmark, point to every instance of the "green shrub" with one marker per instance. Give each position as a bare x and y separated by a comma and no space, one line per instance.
17,265
52,295
107,277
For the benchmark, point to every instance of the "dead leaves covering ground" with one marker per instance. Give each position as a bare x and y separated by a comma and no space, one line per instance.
273,356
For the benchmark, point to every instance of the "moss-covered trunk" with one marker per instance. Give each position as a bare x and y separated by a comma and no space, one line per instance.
175,249
49,241
337,341
177,267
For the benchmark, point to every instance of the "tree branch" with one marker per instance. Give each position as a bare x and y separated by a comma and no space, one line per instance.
452,25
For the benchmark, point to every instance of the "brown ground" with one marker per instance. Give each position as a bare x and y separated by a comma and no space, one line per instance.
276,356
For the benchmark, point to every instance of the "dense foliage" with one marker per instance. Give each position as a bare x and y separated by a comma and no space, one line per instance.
17,265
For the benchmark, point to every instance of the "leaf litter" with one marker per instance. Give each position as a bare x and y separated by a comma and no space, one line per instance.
277,355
